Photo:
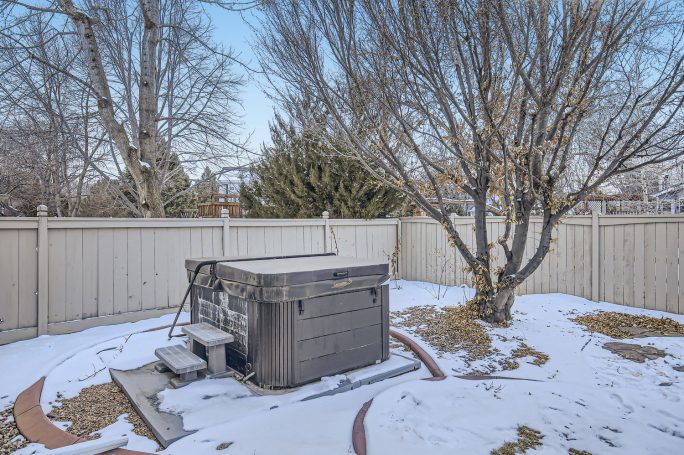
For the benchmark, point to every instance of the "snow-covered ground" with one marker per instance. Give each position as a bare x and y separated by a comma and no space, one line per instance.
585,398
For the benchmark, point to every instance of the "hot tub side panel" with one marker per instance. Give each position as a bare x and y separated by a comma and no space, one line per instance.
287,344
340,332
271,343
230,314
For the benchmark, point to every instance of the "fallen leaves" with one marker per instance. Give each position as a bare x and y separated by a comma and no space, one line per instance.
524,350
448,329
622,325
528,438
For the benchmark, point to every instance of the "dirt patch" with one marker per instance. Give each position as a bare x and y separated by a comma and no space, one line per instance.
622,325
528,438
95,408
523,350
448,329
634,352
578,452
10,438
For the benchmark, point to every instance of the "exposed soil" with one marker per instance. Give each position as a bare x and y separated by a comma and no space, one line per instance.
10,438
634,352
448,329
528,438
622,325
95,408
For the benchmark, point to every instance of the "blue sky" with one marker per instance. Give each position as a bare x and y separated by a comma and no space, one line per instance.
233,30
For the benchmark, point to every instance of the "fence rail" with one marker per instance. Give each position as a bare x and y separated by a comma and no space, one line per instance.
633,260
59,275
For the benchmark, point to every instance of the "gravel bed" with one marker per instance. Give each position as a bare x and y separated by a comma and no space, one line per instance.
95,408
10,438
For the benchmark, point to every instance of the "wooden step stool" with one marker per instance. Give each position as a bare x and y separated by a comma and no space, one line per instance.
182,362
214,342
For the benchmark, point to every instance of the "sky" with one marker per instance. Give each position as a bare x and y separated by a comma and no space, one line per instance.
233,30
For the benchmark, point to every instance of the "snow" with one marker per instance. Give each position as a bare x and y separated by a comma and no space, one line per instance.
584,397
44,356
587,397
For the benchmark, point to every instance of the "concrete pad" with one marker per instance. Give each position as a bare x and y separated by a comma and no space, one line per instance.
396,365
141,386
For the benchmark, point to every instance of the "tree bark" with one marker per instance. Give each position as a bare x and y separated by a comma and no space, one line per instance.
141,160
496,307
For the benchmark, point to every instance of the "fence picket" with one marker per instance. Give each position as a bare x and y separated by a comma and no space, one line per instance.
131,269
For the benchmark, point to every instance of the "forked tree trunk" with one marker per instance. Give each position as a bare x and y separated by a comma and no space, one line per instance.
141,158
496,307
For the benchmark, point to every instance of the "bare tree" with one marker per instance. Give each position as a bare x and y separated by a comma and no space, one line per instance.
47,122
158,84
500,100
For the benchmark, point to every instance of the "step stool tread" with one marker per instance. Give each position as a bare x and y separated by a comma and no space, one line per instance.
179,359
207,335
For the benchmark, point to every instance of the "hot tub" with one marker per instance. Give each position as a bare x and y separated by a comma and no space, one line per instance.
295,319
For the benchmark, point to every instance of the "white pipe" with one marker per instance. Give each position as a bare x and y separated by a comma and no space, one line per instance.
91,447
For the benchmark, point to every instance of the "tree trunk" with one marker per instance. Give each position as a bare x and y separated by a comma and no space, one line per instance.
150,201
496,307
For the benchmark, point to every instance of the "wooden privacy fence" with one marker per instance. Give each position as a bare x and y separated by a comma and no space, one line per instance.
60,275
633,260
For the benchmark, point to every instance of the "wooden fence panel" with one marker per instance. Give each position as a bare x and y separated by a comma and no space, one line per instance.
123,270
639,258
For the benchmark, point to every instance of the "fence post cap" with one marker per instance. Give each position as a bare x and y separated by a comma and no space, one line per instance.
225,213
326,215
42,210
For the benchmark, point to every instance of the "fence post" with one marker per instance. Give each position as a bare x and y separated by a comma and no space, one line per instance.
225,215
43,270
595,255
398,248
326,232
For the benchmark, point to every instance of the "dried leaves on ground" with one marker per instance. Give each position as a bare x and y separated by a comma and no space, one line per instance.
622,325
528,438
95,408
10,438
448,329
524,350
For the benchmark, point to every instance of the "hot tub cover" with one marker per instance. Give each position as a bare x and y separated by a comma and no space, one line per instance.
289,278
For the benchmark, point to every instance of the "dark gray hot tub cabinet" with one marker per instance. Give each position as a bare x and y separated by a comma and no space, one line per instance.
296,319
